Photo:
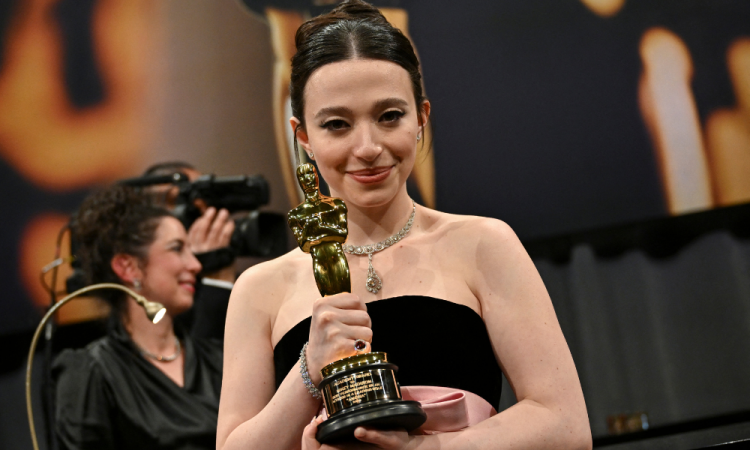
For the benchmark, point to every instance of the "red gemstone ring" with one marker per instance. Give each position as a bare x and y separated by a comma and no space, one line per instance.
360,345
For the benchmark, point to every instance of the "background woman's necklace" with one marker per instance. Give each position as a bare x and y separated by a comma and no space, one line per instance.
374,282
162,358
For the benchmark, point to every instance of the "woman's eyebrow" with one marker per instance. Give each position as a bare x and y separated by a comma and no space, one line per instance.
391,101
334,110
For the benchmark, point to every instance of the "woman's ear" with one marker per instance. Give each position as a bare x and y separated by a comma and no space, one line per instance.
126,268
300,133
424,115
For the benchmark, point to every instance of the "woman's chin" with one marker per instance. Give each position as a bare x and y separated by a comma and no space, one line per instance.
368,195
373,199
179,306
187,306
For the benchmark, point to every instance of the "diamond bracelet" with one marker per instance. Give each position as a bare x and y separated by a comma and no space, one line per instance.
306,376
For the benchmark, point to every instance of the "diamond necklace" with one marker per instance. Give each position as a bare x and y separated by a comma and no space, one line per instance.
374,282
162,358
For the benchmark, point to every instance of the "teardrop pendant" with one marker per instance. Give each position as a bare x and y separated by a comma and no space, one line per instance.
374,283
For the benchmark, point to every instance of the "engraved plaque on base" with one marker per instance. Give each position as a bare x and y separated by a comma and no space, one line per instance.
362,390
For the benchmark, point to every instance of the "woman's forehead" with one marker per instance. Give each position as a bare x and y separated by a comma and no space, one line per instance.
356,81
169,228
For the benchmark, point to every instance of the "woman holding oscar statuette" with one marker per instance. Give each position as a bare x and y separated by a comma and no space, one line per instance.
143,385
451,299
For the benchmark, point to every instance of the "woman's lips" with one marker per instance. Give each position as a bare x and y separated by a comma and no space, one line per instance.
189,286
368,176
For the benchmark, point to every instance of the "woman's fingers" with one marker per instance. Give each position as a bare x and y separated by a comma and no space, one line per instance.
344,339
211,231
217,236
337,322
344,300
343,309
199,228
391,440
226,232
308,435
349,317
359,333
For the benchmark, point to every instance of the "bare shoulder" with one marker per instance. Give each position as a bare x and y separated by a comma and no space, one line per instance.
265,286
484,250
469,231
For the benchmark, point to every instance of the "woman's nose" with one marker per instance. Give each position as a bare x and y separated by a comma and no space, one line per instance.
368,146
193,265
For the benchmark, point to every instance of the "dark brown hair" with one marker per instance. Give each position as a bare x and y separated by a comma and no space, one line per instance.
354,29
117,219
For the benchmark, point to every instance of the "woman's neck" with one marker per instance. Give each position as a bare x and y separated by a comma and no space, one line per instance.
372,225
156,338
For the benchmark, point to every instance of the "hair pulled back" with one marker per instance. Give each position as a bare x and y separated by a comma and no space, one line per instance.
114,220
354,29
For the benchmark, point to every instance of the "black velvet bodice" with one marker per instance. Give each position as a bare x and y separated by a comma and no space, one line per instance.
433,342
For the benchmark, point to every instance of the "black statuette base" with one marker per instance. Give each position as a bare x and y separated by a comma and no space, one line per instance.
383,414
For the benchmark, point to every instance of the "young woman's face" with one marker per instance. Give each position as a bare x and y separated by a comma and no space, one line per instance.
361,124
170,273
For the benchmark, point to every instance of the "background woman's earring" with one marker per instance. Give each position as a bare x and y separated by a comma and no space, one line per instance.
419,136
311,155
137,285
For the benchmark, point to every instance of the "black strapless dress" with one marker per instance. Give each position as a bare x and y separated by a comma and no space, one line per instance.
433,342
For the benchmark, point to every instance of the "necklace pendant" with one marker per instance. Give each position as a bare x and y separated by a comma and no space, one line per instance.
374,283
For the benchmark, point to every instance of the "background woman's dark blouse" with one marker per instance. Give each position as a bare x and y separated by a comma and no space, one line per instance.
108,396
433,342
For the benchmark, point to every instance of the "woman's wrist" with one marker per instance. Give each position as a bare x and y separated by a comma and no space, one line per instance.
314,366
305,374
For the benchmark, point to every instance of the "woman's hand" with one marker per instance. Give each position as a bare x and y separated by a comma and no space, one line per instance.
308,435
369,439
211,231
337,321
373,438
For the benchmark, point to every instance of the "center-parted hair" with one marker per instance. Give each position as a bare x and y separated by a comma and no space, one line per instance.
353,30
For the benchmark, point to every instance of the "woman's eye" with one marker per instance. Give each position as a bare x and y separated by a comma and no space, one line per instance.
391,116
335,125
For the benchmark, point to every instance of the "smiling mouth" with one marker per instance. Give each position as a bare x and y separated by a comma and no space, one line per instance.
189,286
374,175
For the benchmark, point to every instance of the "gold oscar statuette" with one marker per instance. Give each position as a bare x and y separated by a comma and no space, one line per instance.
361,389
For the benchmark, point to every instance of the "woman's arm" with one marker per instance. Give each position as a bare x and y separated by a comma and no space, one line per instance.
528,342
530,346
251,414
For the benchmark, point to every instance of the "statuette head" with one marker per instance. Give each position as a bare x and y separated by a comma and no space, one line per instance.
308,177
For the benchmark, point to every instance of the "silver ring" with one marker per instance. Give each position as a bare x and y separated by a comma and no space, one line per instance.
360,345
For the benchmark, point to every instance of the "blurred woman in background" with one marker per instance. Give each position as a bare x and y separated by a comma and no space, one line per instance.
144,385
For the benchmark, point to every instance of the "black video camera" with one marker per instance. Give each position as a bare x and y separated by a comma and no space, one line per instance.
255,234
